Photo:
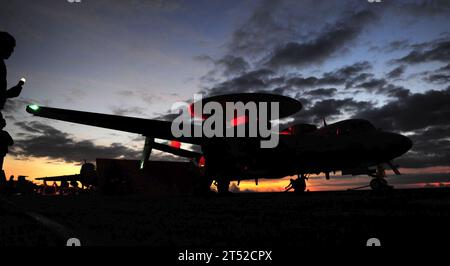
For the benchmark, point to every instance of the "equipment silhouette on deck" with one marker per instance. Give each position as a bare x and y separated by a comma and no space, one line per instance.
21,186
87,177
352,146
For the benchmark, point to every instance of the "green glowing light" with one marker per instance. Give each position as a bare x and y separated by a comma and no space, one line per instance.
34,107
142,165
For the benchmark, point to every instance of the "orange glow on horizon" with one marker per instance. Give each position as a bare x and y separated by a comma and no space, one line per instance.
427,170
42,167
34,168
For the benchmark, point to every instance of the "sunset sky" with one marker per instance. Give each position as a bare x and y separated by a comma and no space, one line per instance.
385,62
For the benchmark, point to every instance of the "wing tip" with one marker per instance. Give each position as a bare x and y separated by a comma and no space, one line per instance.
33,108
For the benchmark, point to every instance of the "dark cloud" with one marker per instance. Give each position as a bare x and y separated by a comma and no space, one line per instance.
395,91
123,111
267,80
438,78
277,22
372,85
331,109
431,148
351,71
397,45
396,72
260,30
249,82
422,7
413,112
345,75
436,51
326,44
445,68
233,65
309,82
44,141
227,66
392,46
322,92
382,87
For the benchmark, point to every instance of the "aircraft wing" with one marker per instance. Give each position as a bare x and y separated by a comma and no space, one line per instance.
147,127
61,178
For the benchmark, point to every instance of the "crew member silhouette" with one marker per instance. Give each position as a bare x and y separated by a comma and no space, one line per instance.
5,142
290,186
299,184
7,45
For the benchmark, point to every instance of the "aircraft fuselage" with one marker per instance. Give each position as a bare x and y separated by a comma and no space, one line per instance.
328,149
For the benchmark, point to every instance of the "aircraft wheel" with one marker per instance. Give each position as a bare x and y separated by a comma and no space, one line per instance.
379,184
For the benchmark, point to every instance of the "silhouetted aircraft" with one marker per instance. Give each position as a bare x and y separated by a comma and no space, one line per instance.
87,177
352,146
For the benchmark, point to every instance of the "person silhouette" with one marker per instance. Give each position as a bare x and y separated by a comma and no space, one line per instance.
7,45
290,186
5,141
298,185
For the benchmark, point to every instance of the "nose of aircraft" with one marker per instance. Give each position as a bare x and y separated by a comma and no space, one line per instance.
400,144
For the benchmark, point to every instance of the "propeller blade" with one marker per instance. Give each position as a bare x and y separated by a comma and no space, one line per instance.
394,168
148,146
324,122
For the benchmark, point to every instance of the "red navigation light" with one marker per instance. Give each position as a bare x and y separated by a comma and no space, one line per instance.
239,120
288,131
202,161
175,144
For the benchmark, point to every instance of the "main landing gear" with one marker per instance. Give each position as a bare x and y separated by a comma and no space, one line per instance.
379,183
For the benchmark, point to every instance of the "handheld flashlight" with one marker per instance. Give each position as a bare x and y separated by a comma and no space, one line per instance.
22,81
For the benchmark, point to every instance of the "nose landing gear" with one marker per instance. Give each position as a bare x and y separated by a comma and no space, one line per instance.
379,183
